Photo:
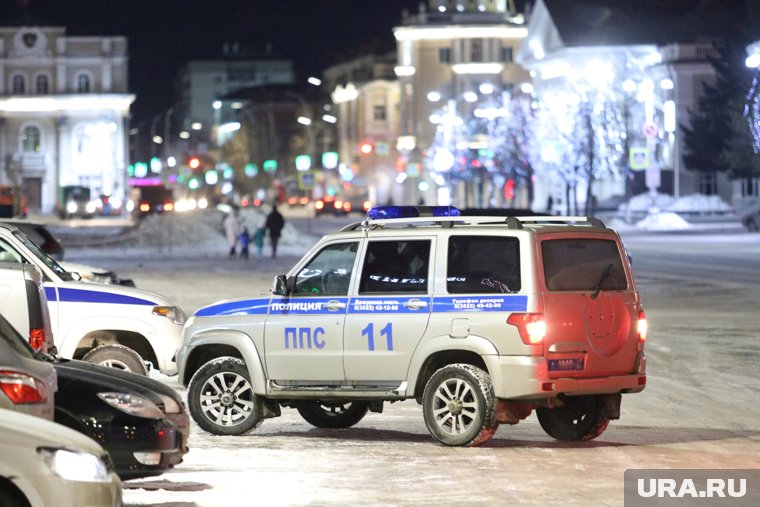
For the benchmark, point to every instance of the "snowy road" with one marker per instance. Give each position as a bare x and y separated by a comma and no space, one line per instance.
699,410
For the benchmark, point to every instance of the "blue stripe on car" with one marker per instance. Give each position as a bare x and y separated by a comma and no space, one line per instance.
247,307
68,295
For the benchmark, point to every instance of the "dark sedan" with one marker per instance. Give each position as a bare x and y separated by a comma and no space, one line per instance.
140,421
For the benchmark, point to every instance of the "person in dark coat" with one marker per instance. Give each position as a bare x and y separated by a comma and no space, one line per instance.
274,224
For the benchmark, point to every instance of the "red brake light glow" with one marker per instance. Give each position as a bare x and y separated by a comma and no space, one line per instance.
641,326
22,389
531,327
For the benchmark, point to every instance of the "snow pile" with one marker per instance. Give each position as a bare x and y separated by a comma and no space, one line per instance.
205,228
700,203
645,201
694,203
664,221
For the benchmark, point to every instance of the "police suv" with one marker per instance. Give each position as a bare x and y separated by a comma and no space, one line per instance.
480,319
113,325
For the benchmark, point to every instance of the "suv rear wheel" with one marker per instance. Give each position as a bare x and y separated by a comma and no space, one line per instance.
459,406
221,398
332,414
580,418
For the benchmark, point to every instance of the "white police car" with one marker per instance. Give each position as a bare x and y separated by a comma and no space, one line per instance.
480,319
113,325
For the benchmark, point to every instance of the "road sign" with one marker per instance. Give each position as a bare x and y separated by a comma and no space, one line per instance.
649,130
306,180
638,158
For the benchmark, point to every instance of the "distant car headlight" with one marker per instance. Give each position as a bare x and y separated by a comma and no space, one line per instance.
91,206
72,207
173,313
74,465
132,404
170,404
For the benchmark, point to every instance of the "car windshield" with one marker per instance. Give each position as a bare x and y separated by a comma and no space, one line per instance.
44,257
10,336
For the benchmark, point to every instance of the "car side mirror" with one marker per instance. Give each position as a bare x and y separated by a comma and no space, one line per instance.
280,286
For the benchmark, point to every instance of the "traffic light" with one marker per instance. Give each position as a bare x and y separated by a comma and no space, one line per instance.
194,162
366,148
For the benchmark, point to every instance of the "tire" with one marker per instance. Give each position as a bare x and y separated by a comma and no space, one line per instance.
221,398
11,497
332,414
117,356
580,418
459,406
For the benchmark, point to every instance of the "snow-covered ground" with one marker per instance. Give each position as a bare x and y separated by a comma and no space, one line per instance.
699,409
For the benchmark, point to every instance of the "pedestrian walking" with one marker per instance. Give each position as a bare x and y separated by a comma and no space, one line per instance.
232,229
258,236
274,224
245,239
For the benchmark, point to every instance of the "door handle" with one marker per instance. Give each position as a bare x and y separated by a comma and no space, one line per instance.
415,304
334,305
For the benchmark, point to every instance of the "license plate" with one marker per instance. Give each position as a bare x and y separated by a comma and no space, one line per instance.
565,364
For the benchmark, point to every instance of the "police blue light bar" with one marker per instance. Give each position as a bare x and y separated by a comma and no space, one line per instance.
385,212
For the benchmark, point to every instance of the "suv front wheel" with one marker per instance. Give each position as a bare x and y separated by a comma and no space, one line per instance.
332,414
459,406
580,418
221,398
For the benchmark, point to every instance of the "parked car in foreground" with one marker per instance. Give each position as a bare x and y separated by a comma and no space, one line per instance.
140,421
27,384
106,324
45,464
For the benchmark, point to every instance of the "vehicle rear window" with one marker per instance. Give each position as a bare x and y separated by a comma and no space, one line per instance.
479,264
582,264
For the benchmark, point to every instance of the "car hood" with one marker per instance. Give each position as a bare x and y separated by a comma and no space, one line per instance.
105,379
127,295
20,429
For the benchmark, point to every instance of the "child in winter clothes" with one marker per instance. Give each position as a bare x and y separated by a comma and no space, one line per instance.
245,239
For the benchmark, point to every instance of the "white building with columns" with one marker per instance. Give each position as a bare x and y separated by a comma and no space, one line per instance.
64,107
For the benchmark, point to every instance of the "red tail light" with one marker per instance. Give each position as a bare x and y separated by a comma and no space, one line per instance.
642,326
531,327
37,339
168,206
22,389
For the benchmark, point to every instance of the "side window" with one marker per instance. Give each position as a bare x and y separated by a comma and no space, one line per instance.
329,272
8,253
396,267
483,264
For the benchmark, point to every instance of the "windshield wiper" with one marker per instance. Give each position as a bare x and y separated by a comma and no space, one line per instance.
601,280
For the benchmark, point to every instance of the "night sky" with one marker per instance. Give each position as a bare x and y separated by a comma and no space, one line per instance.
164,35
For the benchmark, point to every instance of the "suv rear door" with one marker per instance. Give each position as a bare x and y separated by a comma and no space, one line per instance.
590,305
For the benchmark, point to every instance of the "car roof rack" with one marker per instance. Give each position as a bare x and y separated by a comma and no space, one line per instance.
511,222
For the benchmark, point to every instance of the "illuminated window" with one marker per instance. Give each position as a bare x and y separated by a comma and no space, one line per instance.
30,140
19,85
42,85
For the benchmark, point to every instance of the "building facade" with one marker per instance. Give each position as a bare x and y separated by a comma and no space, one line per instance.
453,57
64,105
